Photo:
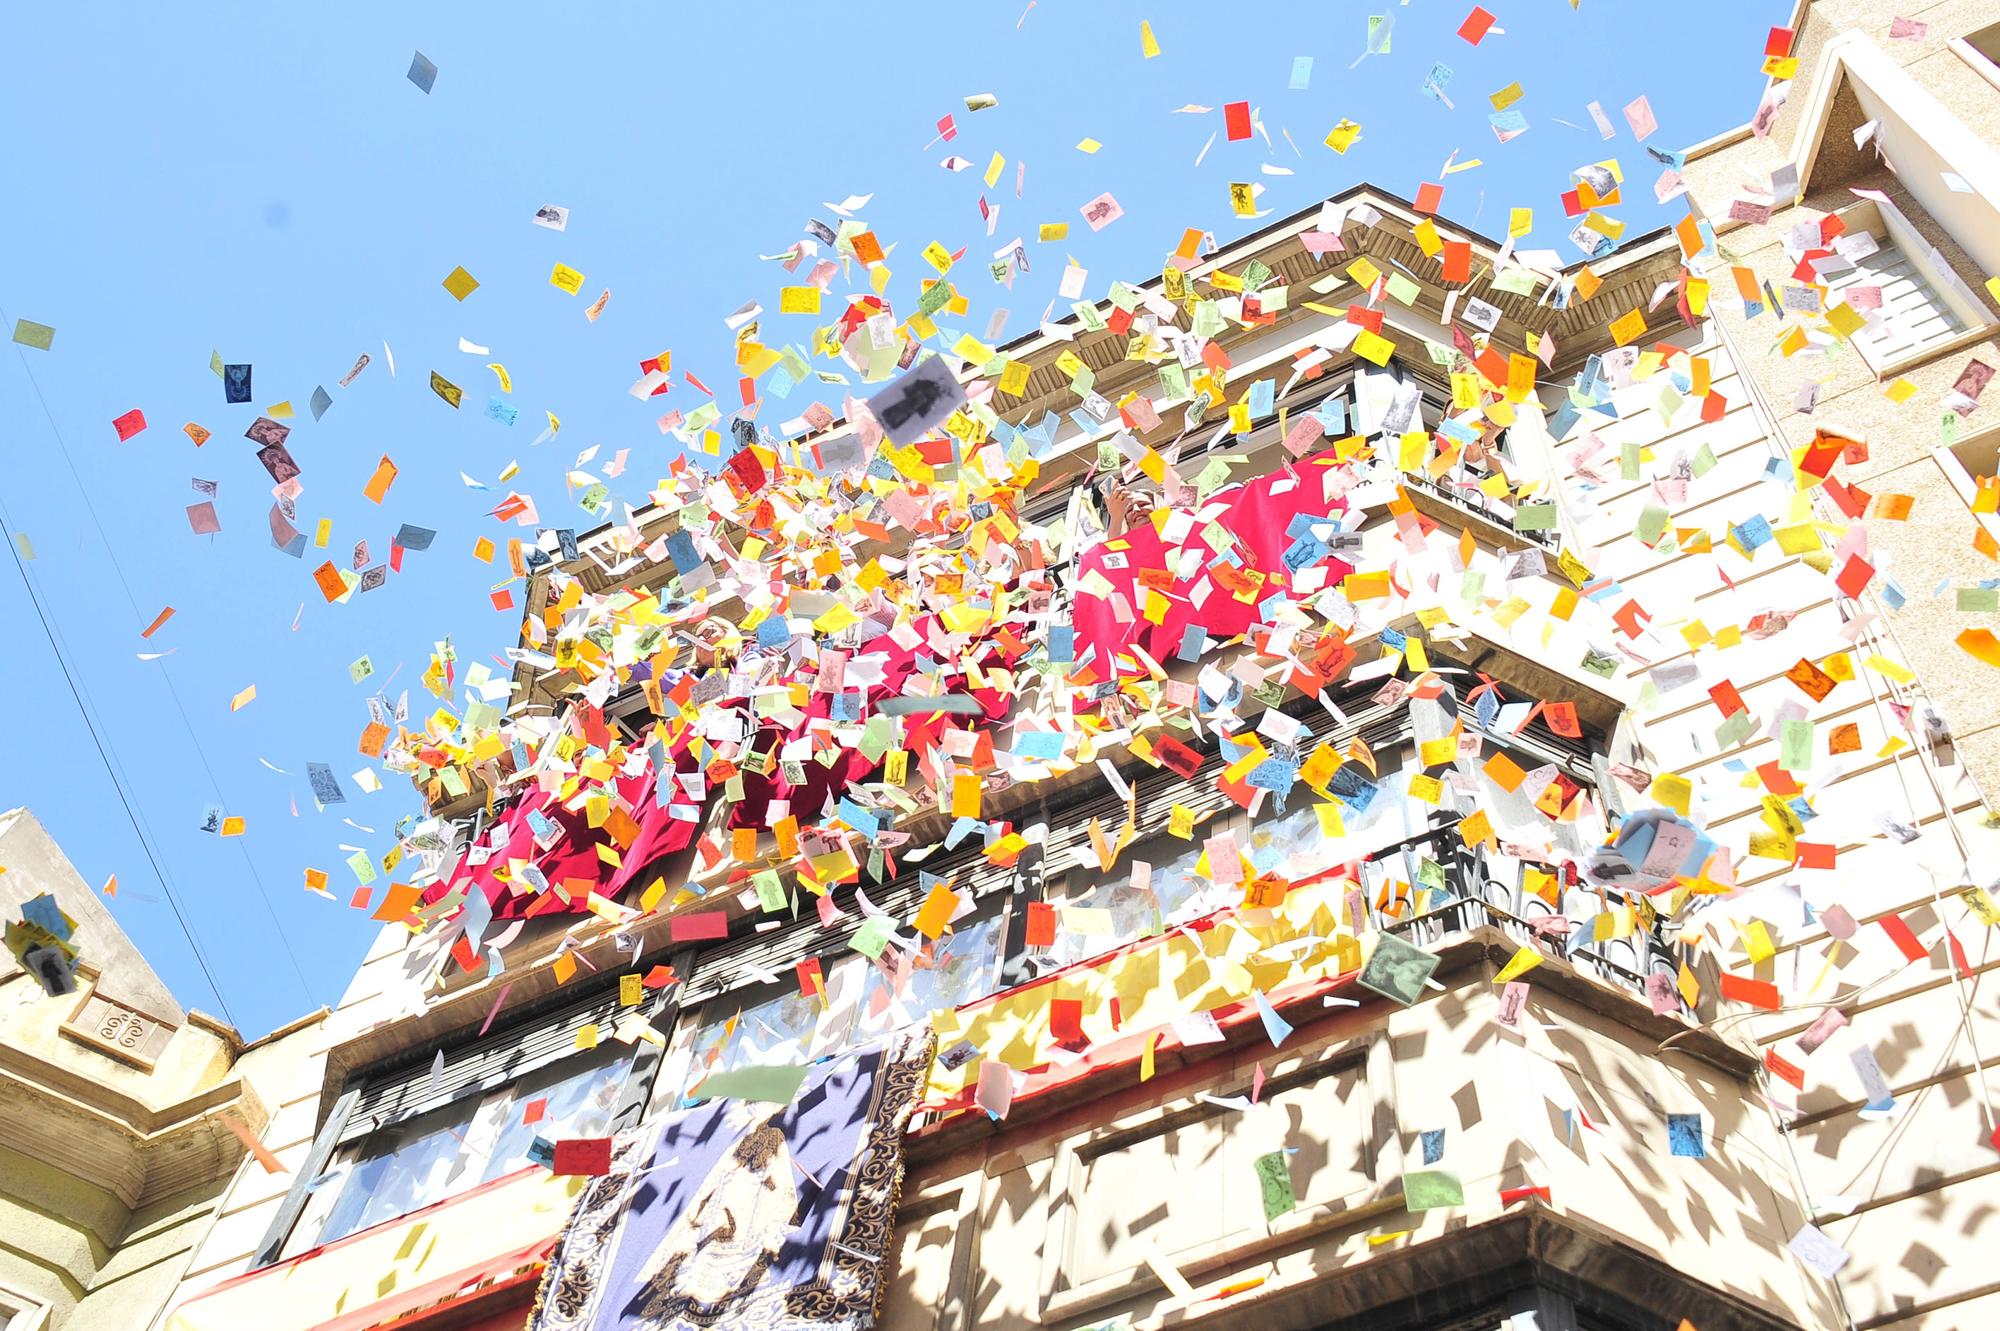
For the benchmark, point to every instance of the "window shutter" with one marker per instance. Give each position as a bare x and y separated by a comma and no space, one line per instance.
480,1063
1914,317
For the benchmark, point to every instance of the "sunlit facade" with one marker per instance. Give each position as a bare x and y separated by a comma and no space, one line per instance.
1124,1165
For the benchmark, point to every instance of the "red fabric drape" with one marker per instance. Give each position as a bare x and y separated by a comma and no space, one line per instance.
574,855
1257,515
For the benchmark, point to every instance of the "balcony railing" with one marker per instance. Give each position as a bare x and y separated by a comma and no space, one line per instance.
1473,500
1478,897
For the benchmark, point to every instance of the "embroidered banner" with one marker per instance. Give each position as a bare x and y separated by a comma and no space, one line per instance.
747,1215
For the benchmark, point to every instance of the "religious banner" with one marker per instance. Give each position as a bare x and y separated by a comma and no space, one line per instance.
745,1214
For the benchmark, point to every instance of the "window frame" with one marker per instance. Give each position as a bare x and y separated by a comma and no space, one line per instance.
21,1311
559,1011
842,988
1950,459
1853,60
483,1122
1986,65
1395,753
1887,223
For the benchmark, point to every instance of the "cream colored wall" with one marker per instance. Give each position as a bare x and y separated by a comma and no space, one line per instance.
387,985
99,1266
56,1231
1942,72
1906,1013
1921,1185
1455,1070
1936,543
197,1056
137,1279
1924,1182
984,1239
36,864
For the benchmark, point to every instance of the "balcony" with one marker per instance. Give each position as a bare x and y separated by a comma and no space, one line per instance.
1103,1188
1469,499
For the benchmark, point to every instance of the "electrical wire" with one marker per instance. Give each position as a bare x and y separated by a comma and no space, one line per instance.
111,770
166,676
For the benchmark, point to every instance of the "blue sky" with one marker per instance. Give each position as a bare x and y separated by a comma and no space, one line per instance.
263,182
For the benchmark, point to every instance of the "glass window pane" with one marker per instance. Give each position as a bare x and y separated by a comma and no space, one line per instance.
409,1165
781,1026
1287,841
1290,845
952,971
403,1167
582,1094
1176,893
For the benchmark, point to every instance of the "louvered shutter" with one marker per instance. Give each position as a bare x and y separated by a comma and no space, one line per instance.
1915,317
478,1064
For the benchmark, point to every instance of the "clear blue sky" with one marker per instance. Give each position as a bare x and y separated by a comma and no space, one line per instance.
262,181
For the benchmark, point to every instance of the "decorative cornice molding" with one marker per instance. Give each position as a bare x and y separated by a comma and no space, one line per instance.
115,1142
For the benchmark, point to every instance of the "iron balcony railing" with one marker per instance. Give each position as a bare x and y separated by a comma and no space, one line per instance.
1477,895
1473,500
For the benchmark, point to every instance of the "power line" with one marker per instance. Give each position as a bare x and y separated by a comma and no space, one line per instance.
166,676
111,770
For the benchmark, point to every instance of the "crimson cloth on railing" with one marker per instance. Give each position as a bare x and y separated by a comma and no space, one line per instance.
922,732
1259,515
581,859
574,859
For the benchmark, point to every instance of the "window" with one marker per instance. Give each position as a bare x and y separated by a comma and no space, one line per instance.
1981,50
1971,466
1106,911
1102,912
471,1140
1295,846
1396,400
777,1022
1937,156
949,972
411,1131
18,1312
752,1009
1399,840
1890,276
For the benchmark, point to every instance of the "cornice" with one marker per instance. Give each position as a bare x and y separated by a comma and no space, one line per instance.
116,1142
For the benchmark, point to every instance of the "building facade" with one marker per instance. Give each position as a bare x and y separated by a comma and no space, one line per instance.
1744,1090
124,1117
1892,126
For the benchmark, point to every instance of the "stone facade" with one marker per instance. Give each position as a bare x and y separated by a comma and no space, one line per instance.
1577,1207
115,1151
1910,1195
